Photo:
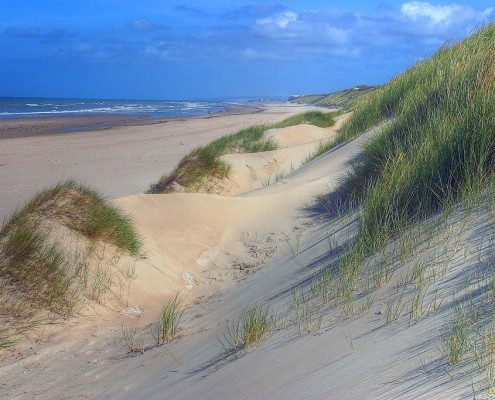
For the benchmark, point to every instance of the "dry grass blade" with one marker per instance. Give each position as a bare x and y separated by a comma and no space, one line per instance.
133,338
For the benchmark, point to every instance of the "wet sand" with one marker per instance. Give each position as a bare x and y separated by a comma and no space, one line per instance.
35,126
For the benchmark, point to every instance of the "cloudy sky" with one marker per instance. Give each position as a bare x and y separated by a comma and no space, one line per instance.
165,49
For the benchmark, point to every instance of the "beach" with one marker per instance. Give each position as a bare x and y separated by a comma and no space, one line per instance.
122,155
247,200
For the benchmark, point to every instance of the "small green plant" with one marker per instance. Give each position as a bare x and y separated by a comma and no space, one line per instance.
395,306
483,348
255,323
418,275
248,332
306,308
322,148
102,281
381,275
457,340
169,319
417,309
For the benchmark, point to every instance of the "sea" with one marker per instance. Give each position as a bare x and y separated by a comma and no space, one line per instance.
13,107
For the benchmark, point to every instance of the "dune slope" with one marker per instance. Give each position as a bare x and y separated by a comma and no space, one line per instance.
322,348
382,288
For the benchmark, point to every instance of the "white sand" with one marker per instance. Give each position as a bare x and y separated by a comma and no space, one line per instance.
353,357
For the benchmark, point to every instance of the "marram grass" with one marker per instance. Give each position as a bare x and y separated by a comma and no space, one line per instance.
439,147
202,165
37,271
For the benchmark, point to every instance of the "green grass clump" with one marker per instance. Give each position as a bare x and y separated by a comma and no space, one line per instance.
79,208
251,328
440,145
37,272
254,324
457,340
168,323
322,148
133,338
316,118
202,165
35,267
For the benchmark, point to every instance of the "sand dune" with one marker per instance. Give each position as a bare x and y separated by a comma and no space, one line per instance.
119,161
203,244
392,296
187,234
254,170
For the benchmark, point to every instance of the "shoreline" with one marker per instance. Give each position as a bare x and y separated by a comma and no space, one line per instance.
116,161
29,126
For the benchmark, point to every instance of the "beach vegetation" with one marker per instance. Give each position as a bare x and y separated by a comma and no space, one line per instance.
437,148
457,339
343,99
168,322
322,148
248,331
133,338
38,270
202,165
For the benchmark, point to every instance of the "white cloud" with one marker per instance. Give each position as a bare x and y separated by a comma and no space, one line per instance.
282,20
437,14
442,14
308,28
414,27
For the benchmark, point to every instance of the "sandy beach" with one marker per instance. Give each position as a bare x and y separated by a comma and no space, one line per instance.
247,200
121,160
266,245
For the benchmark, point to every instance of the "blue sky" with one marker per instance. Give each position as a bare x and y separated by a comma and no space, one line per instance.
163,49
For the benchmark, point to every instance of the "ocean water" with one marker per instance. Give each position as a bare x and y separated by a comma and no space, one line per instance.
11,107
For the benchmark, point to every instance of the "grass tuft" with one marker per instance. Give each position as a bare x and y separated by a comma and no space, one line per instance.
248,332
82,209
133,338
38,272
440,146
168,322
457,341
437,149
322,148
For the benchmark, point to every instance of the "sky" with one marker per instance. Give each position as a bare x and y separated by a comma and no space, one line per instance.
165,49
